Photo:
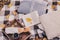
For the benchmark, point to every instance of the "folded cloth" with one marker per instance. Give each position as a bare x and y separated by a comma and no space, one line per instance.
51,23
28,6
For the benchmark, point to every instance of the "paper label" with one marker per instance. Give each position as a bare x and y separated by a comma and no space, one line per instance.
11,30
31,19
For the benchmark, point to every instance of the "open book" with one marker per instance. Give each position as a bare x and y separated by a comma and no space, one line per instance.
31,19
